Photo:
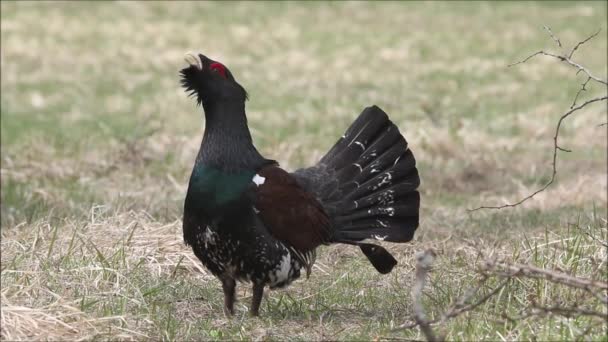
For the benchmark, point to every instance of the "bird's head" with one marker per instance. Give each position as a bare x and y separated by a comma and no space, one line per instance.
209,80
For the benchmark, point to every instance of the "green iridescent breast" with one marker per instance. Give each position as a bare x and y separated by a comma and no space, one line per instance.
216,187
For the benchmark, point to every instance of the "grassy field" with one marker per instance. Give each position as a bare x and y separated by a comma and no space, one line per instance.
97,142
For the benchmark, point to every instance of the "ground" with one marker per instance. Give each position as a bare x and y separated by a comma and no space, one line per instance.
98,139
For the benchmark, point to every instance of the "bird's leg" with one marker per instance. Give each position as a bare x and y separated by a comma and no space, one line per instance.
228,285
258,293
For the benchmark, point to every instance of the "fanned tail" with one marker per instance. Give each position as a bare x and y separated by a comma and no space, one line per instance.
367,183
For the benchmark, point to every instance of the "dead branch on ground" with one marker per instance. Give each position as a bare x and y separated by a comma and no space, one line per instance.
461,306
565,311
490,268
511,270
423,265
602,241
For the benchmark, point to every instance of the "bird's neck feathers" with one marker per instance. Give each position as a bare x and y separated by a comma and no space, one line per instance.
227,160
227,143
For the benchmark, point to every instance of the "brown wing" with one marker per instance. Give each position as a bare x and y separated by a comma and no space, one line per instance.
290,213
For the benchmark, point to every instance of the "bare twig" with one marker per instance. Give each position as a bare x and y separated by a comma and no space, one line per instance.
557,41
556,147
490,268
583,88
423,265
461,305
594,238
573,108
565,311
514,270
568,311
562,59
582,42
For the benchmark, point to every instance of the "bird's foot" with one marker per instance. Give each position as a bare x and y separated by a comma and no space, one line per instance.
228,312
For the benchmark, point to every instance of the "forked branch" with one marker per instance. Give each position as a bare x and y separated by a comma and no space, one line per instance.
565,58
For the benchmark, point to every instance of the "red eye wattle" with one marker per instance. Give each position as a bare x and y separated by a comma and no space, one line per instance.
218,68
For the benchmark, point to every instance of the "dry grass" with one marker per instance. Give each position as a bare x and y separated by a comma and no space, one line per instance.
127,276
98,140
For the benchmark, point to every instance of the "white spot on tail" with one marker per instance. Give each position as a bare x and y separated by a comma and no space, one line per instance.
388,211
385,180
386,197
360,144
359,166
258,180
380,238
374,167
396,160
255,210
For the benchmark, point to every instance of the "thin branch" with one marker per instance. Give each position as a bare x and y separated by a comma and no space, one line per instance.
556,147
601,297
594,238
514,270
548,29
541,52
583,88
488,269
573,108
460,306
423,265
583,42
569,311
565,311
562,59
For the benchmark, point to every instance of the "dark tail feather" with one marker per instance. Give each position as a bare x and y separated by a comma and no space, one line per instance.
376,196
380,258
367,184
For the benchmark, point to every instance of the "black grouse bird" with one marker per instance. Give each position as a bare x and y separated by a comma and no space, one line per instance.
249,220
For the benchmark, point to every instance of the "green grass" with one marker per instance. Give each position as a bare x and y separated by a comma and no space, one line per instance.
97,142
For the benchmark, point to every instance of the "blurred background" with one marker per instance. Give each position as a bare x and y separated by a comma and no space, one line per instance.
94,124
92,110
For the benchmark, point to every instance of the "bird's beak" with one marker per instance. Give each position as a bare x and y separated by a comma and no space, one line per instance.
193,60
